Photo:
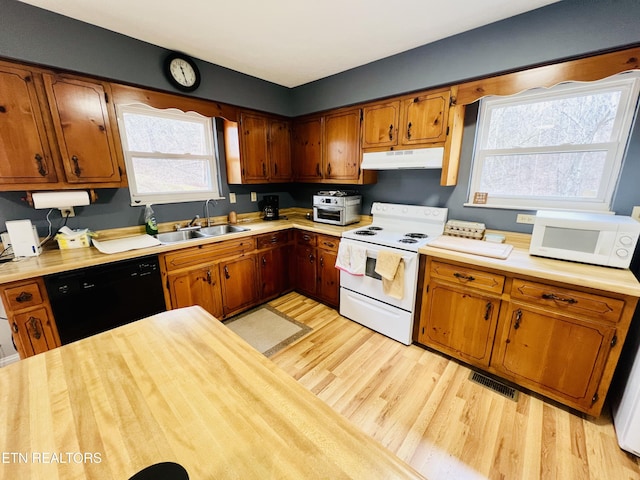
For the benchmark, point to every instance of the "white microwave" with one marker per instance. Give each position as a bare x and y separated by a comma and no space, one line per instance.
595,238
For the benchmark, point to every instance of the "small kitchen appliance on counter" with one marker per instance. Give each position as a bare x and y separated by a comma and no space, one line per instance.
337,207
396,229
271,207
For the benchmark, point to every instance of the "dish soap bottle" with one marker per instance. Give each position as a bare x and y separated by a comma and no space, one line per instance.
150,221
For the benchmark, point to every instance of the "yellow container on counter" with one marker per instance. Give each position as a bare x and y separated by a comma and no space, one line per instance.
68,239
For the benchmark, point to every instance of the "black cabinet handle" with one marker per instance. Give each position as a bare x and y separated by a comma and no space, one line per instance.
34,323
322,261
462,276
14,327
24,297
226,272
311,258
391,132
518,319
264,261
409,130
209,277
41,170
329,168
487,310
552,296
76,166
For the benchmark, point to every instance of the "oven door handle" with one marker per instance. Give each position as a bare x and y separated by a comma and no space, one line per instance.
329,209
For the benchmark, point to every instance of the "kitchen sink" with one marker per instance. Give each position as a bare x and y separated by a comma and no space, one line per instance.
206,232
216,230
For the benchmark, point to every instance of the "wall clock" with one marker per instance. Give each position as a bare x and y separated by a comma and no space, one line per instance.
182,72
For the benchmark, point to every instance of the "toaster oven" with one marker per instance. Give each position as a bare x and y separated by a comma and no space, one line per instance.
337,207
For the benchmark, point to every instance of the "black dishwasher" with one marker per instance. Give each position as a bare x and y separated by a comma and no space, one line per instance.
95,299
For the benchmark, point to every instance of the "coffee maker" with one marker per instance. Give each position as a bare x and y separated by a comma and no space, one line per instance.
270,207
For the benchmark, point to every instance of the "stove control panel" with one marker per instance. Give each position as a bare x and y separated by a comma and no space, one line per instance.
409,211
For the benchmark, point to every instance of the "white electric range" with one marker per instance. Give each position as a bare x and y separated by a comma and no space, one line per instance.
401,229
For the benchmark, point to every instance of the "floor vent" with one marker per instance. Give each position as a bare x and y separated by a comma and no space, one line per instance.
500,388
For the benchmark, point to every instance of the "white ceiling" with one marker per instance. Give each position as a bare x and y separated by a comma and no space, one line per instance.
289,42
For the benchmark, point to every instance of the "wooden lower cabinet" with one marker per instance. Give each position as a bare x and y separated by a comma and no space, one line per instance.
197,286
461,322
30,318
315,260
559,340
238,278
560,356
275,272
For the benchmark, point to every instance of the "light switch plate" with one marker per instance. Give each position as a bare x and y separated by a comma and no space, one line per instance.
524,218
254,197
232,197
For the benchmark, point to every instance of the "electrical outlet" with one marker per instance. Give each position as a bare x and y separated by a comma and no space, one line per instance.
254,197
525,218
67,212
232,197
635,213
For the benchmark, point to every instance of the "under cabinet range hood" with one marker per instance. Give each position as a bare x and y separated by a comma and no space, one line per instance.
403,159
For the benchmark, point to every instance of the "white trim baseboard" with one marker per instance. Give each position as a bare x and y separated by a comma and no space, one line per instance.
9,359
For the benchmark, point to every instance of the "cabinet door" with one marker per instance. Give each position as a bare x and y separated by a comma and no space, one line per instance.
274,272
24,150
555,354
35,331
380,125
254,156
425,118
198,286
83,125
239,283
342,146
280,151
307,149
306,271
328,278
460,322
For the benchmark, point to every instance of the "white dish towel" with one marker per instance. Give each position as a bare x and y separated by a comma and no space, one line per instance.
351,258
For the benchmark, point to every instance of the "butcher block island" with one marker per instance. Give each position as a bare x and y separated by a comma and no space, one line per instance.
175,387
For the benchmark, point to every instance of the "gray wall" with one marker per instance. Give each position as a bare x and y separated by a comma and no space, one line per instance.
561,30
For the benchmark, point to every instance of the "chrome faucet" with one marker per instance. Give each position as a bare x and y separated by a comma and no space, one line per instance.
190,226
206,209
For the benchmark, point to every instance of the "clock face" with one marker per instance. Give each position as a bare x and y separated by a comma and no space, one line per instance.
182,72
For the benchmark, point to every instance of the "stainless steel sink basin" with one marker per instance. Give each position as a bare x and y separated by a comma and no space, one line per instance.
174,237
216,230
206,232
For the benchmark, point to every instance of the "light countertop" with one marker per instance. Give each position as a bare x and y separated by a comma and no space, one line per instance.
175,387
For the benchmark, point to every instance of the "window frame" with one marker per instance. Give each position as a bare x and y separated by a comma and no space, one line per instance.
211,157
629,85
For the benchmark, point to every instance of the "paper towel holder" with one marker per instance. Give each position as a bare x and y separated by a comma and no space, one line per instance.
68,208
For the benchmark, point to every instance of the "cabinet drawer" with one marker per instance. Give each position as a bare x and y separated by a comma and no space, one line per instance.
306,238
196,255
469,277
273,239
328,243
571,302
23,296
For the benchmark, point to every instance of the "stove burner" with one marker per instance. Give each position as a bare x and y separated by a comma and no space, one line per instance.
374,228
365,232
407,240
416,235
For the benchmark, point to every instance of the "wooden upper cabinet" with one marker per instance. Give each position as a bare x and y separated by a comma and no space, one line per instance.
424,118
85,126
258,149
25,155
254,148
307,149
342,146
279,140
380,125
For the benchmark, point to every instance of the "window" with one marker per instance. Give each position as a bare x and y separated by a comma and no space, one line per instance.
169,155
554,148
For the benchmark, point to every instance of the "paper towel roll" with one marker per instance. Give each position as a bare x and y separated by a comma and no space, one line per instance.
60,199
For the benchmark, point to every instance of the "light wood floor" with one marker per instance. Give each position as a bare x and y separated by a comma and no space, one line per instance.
421,405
